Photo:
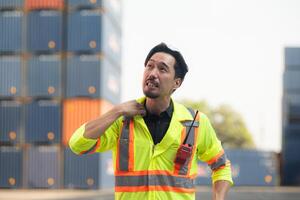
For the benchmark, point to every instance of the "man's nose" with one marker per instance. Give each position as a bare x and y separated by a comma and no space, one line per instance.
154,72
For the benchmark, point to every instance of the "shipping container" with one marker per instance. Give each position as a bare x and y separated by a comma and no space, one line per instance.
43,167
244,165
44,76
10,121
10,76
11,4
291,173
92,76
292,58
111,7
291,81
80,110
291,143
43,4
91,31
11,164
44,31
91,171
43,121
11,31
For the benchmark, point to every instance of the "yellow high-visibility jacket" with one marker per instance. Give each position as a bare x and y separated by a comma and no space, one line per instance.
147,171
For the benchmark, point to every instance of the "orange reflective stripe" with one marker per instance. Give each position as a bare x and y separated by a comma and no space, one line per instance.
91,150
131,147
153,188
153,172
214,159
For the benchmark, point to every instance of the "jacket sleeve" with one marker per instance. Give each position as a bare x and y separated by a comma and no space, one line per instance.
211,151
108,140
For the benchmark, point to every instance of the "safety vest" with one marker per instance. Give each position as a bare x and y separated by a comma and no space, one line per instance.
128,180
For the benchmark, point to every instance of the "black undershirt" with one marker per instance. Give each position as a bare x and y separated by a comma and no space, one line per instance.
159,124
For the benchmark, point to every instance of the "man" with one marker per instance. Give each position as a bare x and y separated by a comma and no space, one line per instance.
156,142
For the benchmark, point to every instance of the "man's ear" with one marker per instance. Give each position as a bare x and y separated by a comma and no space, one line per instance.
177,83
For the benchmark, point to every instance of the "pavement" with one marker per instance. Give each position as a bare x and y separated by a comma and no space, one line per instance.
203,193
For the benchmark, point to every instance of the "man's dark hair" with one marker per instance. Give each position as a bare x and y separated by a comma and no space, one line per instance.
180,66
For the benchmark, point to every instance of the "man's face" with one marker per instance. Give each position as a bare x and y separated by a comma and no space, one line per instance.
159,76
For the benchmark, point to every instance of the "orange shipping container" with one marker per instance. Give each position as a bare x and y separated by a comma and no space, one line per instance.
80,110
44,4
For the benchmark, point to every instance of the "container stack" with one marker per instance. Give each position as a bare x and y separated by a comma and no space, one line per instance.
11,89
59,67
93,58
291,118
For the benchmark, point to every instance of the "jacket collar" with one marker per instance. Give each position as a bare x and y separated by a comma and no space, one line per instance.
173,133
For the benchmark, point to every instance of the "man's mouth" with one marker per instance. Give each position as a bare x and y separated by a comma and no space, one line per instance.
152,84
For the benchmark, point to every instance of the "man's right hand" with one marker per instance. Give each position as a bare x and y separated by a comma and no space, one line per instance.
132,108
95,128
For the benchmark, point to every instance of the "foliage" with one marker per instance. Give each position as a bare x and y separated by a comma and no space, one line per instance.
228,124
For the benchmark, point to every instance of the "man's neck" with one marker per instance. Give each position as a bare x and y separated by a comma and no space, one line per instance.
157,106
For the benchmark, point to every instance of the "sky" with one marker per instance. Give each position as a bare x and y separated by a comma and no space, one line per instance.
234,50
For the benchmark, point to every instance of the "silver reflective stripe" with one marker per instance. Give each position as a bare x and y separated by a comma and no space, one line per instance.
219,163
154,180
124,146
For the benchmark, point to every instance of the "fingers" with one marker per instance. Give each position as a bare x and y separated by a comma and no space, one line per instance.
132,108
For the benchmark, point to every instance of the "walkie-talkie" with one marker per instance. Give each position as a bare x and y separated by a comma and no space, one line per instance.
185,150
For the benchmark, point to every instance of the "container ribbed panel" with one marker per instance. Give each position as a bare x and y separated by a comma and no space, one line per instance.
85,109
81,171
11,31
43,4
92,171
10,121
292,57
11,4
84,31
11,167
43,167
111,7
10,76
291,81
44,31
91,76
43,121
44,76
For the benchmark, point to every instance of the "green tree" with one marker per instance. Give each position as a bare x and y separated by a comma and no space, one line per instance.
228,124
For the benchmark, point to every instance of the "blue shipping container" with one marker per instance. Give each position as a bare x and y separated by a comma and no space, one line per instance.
44,76
292,57
11,158
11,31
10,121
244,166
291,173
91,31
91,76
43,121
291,143
10,76
291,81
92,171
43,167
44,31
11,4
111,7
